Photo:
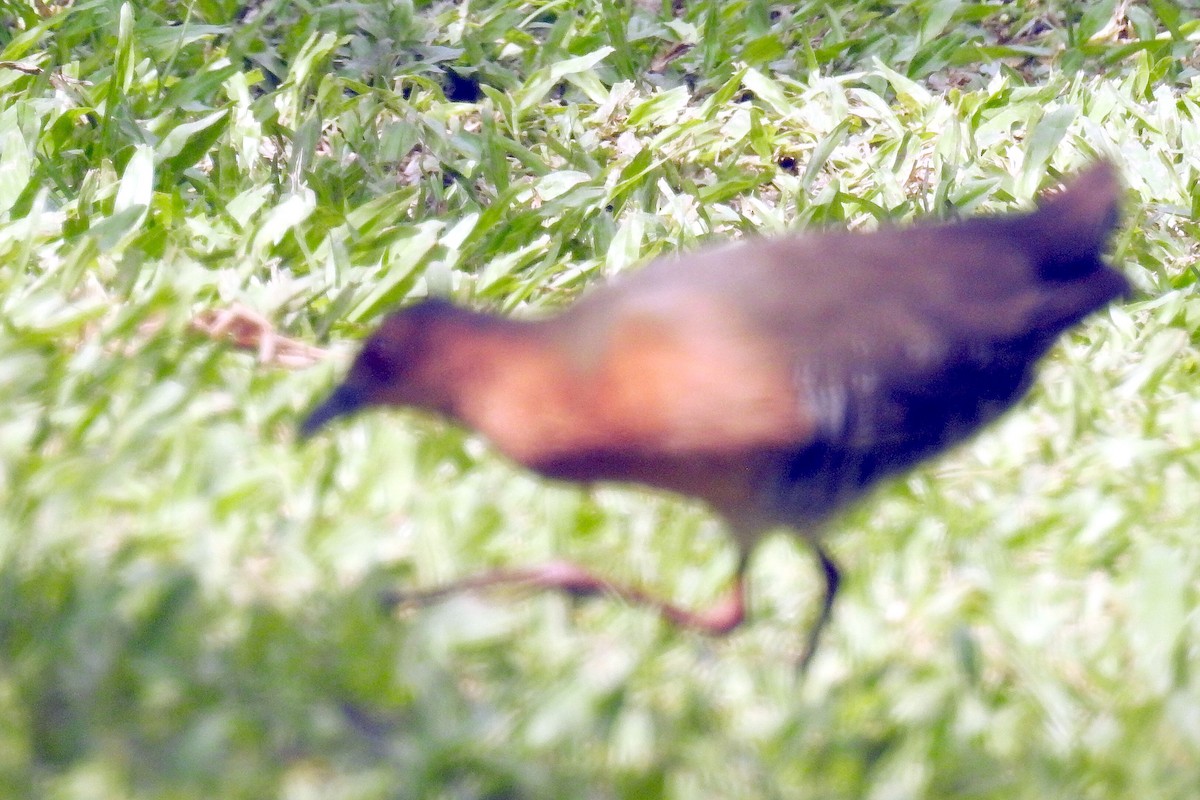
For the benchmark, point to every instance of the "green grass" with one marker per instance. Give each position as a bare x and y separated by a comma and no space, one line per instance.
188,599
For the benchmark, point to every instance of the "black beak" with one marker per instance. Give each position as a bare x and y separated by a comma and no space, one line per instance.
344,400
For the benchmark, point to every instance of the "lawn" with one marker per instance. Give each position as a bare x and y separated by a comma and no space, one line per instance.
205,206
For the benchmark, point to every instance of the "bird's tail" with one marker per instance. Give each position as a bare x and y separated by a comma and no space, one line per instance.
1071,227
1067,234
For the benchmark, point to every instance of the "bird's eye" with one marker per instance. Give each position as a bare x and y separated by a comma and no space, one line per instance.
375,359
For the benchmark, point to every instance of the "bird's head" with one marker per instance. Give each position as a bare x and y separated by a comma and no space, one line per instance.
400,364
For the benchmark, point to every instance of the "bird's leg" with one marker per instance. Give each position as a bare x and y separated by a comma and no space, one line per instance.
833,579
578,581
720,619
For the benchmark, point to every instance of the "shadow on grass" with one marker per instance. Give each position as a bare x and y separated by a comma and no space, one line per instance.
134,680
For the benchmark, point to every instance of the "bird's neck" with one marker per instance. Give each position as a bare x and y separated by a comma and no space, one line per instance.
509,380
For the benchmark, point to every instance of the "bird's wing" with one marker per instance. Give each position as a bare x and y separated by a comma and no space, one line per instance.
717,355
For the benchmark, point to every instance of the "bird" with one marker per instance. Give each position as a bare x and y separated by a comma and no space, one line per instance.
774,379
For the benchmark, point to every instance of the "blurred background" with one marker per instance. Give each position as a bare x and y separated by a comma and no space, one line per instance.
205,205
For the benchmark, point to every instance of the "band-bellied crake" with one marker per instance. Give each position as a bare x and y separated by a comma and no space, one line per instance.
775,379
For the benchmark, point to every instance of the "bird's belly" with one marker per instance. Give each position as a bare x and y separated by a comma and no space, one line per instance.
729,482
